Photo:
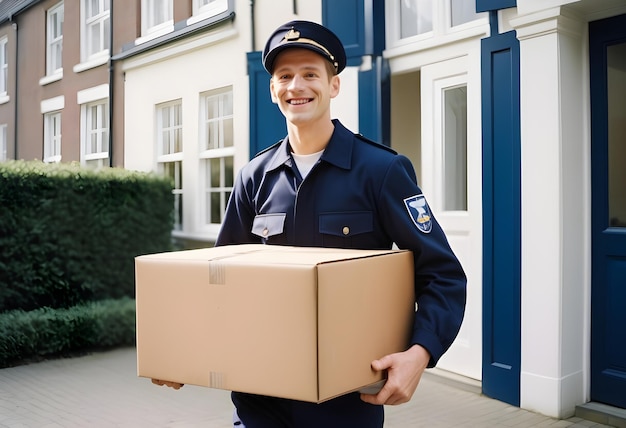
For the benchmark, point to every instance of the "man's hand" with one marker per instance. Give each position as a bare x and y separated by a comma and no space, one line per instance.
174,385
404,371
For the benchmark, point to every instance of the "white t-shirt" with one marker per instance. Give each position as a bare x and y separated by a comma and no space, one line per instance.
306,162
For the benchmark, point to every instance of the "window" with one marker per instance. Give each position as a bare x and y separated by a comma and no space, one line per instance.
169,121
4,67
54,40
455,149
216,155
95,134
416,17
463,11
410,21
207,8
156,16
616,133
3,142
96,28
52,137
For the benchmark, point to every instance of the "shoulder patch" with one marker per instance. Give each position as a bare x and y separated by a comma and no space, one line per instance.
419,212
374,143
273,146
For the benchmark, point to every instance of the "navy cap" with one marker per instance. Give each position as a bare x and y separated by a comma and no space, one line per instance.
307,35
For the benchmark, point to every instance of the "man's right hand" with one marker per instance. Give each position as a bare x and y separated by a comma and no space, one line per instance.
174,385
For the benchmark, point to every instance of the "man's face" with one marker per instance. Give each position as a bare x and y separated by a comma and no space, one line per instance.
302,86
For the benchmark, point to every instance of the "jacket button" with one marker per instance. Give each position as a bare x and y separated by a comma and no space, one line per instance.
346,230
265,232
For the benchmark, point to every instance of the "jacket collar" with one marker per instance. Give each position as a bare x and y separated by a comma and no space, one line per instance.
338,152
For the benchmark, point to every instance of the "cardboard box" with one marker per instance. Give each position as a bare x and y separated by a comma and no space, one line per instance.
292,322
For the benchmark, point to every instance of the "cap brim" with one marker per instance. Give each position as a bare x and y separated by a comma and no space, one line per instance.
268,62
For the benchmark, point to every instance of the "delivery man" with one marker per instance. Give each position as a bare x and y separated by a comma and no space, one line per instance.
324,186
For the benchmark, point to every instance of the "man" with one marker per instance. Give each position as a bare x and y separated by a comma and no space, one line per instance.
323,186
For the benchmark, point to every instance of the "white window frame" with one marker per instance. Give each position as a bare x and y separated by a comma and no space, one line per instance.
95,126
54,17
4,67
149,27
97,96
52,137
203,10
98,21
442,32
3,142
172,155
222,152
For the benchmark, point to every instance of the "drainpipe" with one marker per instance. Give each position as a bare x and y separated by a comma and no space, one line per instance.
111,79
15,79
252,26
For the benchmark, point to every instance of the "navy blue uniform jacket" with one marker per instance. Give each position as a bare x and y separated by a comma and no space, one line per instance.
359,195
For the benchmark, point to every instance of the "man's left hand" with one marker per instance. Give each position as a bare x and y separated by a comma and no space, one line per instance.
404,371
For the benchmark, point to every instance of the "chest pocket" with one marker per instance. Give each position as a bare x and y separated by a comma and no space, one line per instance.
266,225
346,224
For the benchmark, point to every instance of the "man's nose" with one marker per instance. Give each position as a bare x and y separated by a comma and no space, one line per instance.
296,82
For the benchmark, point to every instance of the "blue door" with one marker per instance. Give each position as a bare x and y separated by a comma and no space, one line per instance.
607,56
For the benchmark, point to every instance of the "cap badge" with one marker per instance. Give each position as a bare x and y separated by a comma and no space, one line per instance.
292,34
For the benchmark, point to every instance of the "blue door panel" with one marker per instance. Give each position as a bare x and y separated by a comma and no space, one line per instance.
360,24
374,102
616,310
501,221
487,5
267,124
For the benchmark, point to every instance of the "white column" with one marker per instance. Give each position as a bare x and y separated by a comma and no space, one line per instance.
555,212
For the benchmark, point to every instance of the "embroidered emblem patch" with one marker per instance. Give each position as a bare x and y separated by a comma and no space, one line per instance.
420,212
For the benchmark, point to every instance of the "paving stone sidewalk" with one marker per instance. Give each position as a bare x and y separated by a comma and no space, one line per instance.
103,390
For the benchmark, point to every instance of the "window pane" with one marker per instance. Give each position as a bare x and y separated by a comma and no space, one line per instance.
215,208
165,117
463,11
3,66
178,211
212,108
455,149
228,172
416,17
3,142
228,132
56,56
616,81
214,166
227,101
107,34
92,8
95,39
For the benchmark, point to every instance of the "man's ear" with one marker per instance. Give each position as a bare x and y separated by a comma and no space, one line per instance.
274,98
335,84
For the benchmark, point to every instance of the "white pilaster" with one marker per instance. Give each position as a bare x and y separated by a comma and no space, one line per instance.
555,212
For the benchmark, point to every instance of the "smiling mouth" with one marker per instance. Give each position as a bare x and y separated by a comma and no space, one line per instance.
300,101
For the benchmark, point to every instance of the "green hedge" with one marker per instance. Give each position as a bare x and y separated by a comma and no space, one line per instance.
69,234
45,332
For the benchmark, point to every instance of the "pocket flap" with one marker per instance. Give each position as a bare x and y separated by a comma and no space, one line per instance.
266,225
346,223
